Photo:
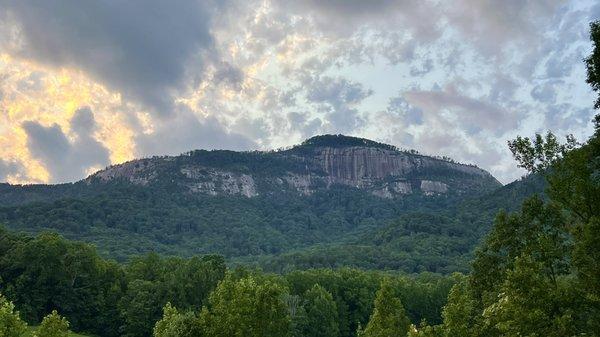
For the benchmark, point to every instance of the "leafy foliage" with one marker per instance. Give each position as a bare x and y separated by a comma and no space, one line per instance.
108,299
536,274
247,307
389,318
343,141
11,324
53,325
321,313
175,324
592,62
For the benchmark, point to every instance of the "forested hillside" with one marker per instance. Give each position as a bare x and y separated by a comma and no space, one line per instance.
339,226
331,201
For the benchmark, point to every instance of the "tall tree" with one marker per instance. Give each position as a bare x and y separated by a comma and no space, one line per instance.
538,230
460,311
247,308
531,303
141,307
523,276
321,313
593,61
389,318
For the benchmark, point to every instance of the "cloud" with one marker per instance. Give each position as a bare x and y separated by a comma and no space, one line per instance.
184,131
67,159
338,97
457,109
409,115
302,122
343,17
140,48
10,168
493,25
564,118
546,92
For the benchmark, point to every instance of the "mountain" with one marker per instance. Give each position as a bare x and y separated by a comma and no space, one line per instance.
319,163
332,200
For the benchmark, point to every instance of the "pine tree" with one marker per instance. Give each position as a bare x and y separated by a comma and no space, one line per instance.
389,318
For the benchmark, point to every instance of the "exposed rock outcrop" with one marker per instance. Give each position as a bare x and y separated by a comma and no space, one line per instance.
358,163
214,182
429,187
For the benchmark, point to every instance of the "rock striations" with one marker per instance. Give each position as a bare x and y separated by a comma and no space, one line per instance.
321,162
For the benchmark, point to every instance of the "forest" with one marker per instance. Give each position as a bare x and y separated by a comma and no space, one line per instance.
536,273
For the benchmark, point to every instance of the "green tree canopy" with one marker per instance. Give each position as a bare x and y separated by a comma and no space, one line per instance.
48,272
537,272
459,312
389,318
321,313
53,325
11,324
176,324
247,308
592,62
530,303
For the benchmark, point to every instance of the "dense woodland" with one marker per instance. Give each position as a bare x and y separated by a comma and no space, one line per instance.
331,228
537,273
45,273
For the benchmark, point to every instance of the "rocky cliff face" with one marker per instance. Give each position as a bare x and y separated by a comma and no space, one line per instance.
353,162
359,166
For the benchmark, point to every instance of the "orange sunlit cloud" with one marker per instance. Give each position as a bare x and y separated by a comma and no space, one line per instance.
32,92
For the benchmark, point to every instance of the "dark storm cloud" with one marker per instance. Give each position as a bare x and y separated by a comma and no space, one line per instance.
64,159
83,121
140,48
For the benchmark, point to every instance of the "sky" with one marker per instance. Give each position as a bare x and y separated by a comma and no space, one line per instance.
87,84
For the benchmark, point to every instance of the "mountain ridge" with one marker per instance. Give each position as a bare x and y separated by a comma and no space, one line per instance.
331,201
318,162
